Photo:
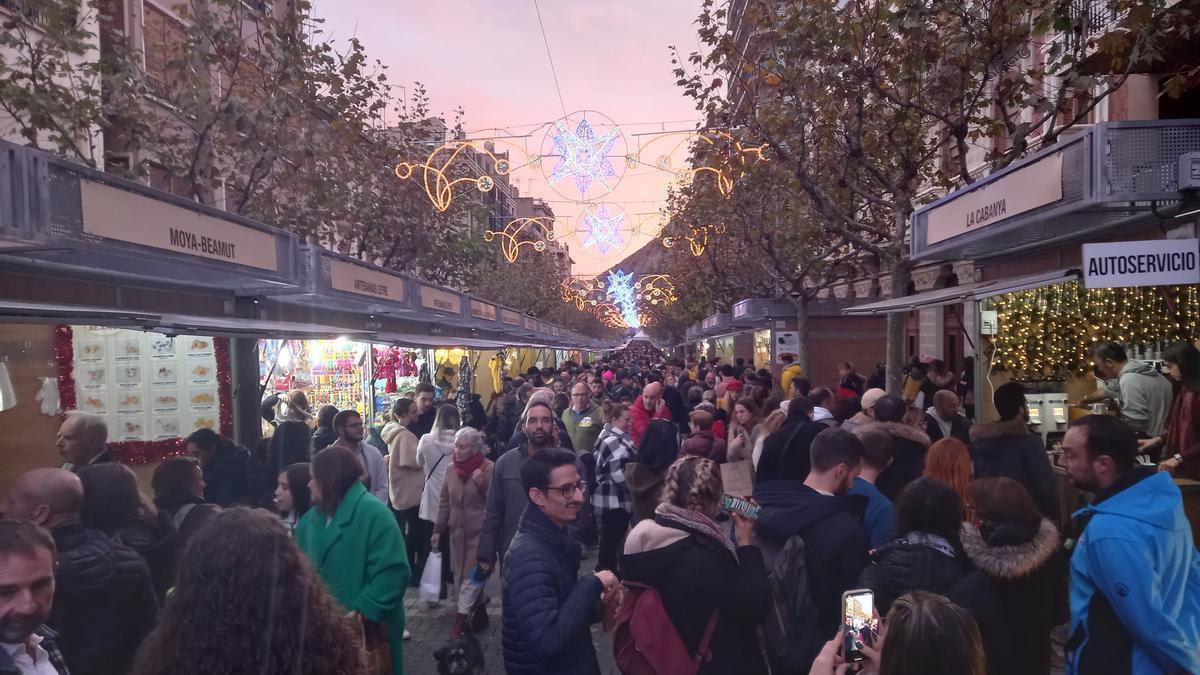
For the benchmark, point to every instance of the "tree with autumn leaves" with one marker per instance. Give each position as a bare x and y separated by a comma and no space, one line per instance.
248,107
874,108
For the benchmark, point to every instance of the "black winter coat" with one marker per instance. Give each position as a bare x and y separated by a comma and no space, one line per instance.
547,608
1010,449
158,544
960,428
901,567
226,476
785,451
323,437
104,603
1028,572
679,413
694,575
833,533
909,446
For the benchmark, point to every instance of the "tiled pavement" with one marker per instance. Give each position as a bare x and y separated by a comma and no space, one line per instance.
430,630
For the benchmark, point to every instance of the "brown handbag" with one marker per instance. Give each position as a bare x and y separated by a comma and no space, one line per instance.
376,648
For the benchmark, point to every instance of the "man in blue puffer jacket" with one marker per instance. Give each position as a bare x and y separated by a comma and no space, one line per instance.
1135,572
547,608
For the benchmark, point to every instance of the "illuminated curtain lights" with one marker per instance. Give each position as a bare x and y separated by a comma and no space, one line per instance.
1045,333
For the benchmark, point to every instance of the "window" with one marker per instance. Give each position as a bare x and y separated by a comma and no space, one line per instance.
163,39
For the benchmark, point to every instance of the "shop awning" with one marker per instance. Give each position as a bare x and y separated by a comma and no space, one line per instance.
1102,178
964,293
41,312
68,218
238,327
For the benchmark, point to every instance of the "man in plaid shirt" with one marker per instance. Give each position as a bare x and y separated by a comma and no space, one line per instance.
611,499
27,646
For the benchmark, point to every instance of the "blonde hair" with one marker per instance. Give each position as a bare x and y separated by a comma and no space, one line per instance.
694,483
773,421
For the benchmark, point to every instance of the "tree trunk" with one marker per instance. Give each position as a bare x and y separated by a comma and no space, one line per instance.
901,272
801,305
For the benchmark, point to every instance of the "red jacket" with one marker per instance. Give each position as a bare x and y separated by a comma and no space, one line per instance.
641,419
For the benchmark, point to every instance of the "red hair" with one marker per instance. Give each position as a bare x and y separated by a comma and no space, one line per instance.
949,461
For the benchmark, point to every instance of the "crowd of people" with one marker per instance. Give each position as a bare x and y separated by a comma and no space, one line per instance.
729,511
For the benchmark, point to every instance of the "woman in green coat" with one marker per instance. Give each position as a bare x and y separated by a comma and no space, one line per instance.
356,546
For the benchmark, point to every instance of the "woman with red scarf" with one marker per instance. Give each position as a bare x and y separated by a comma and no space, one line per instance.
1180,441
462,505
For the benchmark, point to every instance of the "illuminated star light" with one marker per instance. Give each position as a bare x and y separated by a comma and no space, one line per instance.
620,289
582,156
603,230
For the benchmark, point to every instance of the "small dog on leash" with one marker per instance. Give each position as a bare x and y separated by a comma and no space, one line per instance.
463,656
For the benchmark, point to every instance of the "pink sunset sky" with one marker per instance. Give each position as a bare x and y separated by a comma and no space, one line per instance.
488,57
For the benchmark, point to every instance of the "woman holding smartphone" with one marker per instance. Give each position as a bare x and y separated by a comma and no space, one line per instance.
744,430
700,575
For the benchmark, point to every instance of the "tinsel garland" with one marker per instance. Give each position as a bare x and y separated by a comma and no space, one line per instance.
1045,333
224,386
64,359
464,386
143,452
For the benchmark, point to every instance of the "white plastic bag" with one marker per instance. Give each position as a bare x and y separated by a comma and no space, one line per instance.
431,578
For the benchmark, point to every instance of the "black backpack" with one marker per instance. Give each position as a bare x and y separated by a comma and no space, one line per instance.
792,628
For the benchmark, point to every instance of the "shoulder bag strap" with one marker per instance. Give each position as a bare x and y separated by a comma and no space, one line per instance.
182,514
435,466
702,653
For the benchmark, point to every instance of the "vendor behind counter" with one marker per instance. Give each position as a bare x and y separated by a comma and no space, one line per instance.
1143,394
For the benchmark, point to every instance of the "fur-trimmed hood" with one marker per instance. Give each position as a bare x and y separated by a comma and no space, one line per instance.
1011,561
896,430
990,431
648,535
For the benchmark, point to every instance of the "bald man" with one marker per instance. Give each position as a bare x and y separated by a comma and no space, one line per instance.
942,419
104,602
648,406
82,440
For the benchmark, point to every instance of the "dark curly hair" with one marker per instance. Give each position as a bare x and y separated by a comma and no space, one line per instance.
261,604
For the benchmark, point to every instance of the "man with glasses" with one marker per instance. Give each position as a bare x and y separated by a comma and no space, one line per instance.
349,427
506,497
547,608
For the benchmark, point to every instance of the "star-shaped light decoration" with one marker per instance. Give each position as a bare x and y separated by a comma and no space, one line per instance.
620,289
603,231
583,156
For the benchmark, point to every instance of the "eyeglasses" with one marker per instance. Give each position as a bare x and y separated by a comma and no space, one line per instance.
568,491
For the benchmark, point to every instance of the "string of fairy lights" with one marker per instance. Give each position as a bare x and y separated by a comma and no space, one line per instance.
1045,333
590,155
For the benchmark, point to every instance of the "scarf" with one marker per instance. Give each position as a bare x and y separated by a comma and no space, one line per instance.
932,541
694,522
466,467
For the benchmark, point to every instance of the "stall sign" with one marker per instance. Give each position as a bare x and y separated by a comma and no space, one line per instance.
1126,264
351,278
510,317
483,310
1021,190
440,300
113,213
786,342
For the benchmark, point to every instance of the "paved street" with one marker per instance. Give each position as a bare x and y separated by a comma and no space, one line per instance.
430,630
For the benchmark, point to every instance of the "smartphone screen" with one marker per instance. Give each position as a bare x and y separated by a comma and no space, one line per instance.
859,624
739,505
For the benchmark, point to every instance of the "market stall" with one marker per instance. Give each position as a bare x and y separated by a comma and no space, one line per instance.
152,389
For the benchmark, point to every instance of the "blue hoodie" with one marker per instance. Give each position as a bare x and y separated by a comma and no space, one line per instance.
1135,583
